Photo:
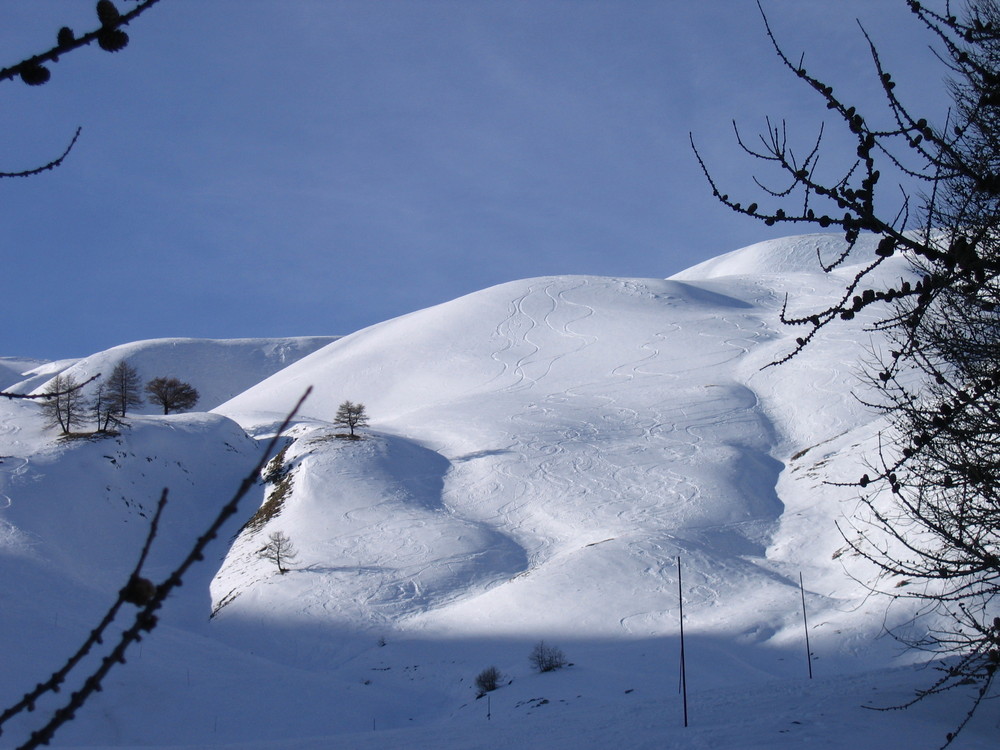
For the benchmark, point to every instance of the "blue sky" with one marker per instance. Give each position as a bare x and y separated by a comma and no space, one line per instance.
272,168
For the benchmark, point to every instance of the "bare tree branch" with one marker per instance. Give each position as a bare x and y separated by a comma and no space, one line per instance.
146,596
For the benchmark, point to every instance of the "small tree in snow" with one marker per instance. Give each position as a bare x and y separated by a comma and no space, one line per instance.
351,415
104,408
172,394
65,406
124,388
279,550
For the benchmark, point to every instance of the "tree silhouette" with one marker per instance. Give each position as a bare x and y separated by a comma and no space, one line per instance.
931,505
351,415
34,71
124,388
172,394
279,550
104,409
65,406
146,597
138,591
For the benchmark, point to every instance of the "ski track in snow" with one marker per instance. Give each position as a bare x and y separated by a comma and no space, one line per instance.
543,479
538,312
614,453
362,574
623,489
9,468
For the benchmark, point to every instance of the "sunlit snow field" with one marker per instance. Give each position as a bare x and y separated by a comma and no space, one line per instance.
544,458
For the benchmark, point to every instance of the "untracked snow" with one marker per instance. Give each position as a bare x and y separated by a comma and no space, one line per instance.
544,459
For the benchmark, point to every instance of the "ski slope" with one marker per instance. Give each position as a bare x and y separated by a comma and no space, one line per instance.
545,457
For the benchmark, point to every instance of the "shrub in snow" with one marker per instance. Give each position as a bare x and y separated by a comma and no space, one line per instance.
546,658
488,679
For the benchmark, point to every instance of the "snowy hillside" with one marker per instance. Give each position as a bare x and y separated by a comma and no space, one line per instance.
591,430
217,369
540,455
11,369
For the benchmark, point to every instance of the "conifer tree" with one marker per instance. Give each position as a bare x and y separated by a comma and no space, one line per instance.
65,405
104,409
279,550
124,388
351,415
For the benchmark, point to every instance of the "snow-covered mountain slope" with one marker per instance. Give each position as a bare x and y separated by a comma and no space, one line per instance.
218,369
591,429
73,518
782,258
540,456
12,369
24,376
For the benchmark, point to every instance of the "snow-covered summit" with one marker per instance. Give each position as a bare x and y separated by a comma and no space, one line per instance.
791,255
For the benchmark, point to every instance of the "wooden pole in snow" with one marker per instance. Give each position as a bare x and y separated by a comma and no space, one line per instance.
680,598
805,625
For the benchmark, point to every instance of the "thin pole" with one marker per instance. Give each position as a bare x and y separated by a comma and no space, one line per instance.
805,625
680,598
489,708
